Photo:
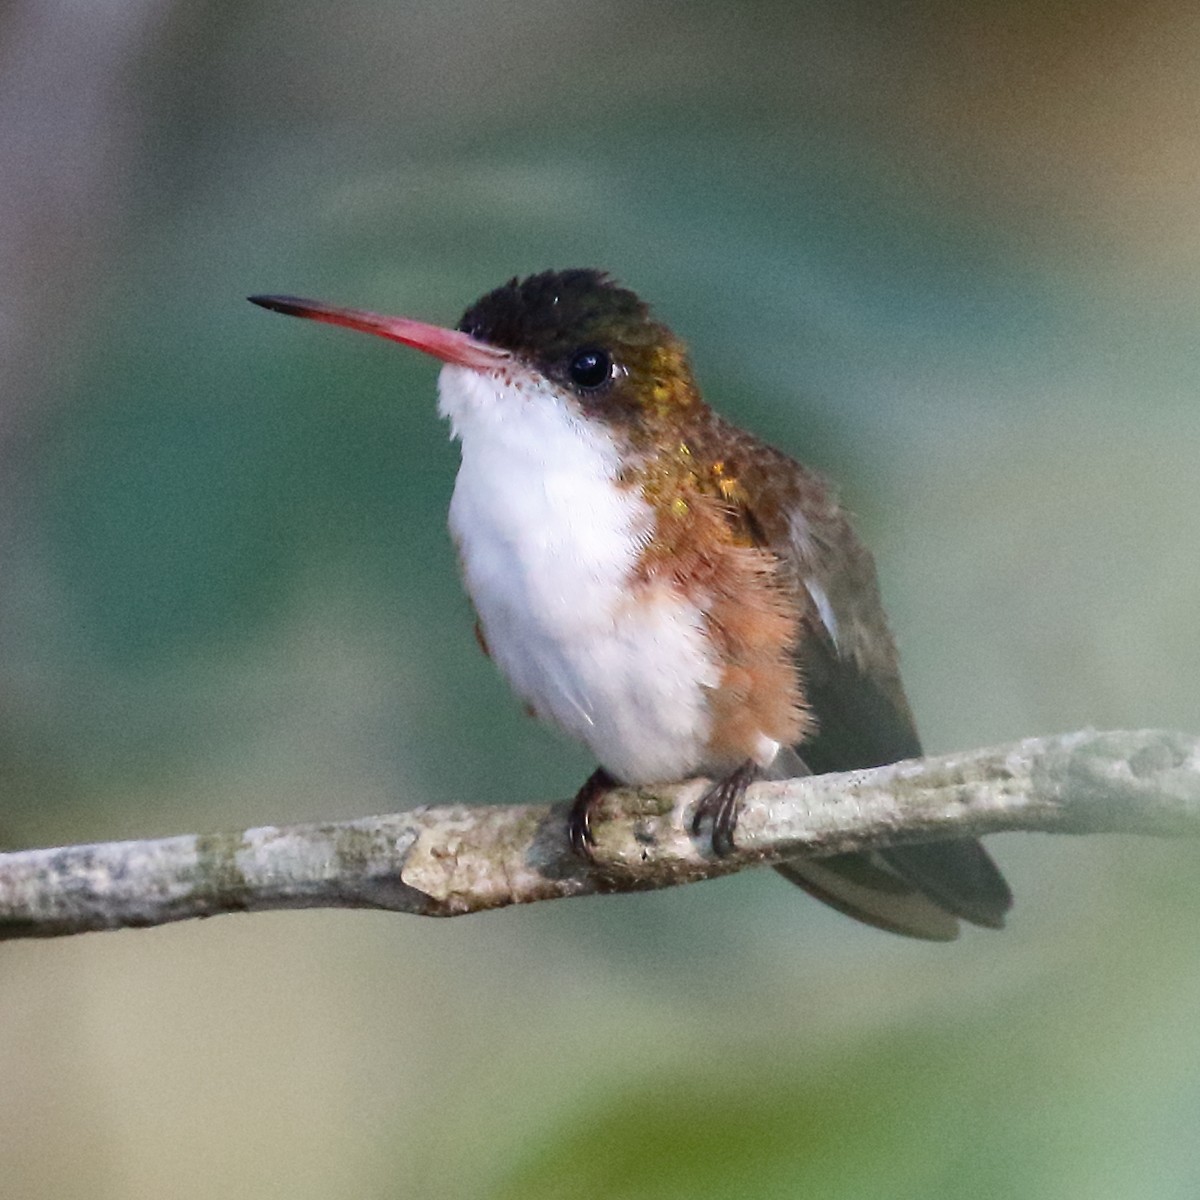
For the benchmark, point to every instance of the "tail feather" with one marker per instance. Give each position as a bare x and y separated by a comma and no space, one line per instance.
958,875
920,891
857,887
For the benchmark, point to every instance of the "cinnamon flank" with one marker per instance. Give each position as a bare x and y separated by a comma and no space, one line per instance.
701,551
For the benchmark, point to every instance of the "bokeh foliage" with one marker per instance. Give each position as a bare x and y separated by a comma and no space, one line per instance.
946,254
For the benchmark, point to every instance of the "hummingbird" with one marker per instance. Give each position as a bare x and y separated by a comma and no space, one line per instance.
676,594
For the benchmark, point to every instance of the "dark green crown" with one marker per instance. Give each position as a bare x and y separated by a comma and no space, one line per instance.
548,315
549,320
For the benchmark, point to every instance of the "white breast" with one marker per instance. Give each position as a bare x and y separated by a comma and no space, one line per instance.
548,541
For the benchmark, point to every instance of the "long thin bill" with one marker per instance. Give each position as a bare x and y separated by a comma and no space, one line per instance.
450,345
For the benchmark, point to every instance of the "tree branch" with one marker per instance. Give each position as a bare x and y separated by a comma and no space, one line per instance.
447,861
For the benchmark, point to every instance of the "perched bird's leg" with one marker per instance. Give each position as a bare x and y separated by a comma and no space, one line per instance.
579,822
722,802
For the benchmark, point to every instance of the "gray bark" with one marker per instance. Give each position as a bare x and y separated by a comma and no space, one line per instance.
454,860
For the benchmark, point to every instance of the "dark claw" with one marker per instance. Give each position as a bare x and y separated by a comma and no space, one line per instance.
722,803
579,822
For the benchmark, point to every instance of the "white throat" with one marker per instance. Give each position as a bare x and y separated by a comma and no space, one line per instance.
549,541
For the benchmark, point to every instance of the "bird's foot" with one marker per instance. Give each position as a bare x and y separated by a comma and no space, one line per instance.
722,803
579,822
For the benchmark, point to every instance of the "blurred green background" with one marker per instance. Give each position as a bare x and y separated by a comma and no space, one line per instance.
950,254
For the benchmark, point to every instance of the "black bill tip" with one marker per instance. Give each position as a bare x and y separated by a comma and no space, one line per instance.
293,306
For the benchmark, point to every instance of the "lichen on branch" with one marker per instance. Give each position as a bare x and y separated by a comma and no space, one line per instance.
448,861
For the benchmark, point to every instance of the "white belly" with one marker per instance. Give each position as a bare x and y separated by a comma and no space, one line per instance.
548,542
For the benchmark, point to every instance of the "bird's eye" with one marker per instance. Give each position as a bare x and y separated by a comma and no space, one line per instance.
590,368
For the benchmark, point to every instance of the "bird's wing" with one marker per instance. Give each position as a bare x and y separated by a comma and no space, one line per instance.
851,682
858,725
